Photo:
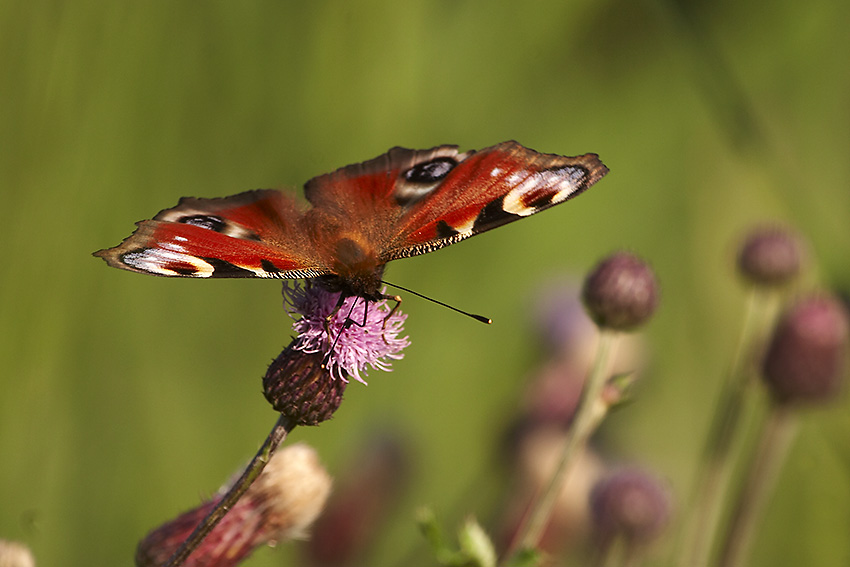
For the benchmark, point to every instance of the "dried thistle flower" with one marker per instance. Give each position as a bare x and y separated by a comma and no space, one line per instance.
281,504
14,554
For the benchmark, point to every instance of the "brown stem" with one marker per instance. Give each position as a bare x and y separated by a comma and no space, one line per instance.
278,433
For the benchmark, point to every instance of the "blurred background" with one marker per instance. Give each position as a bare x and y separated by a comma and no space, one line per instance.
124,399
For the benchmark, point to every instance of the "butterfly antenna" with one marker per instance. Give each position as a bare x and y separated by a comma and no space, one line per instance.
481,318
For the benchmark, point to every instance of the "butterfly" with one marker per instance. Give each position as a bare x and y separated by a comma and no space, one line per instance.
400,204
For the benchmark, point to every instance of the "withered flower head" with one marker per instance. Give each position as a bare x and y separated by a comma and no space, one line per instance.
281,504
14,554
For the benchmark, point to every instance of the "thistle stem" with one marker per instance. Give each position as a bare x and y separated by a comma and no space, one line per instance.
774,441
278,433
718,458
590,412
608,555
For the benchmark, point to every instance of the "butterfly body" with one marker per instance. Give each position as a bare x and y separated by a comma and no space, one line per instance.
401,204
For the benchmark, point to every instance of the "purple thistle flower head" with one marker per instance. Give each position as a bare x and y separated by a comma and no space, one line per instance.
359,334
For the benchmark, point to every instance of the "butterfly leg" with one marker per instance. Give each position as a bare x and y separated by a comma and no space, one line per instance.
397,300
328,319
333,313
346,323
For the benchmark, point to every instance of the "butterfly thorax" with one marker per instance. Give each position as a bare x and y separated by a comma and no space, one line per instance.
356,270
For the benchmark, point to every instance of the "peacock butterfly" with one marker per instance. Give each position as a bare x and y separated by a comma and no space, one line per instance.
403,203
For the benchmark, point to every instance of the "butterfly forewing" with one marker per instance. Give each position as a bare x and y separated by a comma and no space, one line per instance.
252,234
392,180
490,188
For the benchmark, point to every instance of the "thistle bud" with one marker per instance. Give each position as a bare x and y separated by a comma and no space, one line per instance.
771,257
632,504
807,356
621,293
300,387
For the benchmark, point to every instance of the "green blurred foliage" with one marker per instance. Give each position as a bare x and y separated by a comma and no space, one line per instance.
123,398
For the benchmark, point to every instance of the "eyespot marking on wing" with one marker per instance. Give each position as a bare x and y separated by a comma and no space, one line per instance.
421,179
215,223
430,171
210,222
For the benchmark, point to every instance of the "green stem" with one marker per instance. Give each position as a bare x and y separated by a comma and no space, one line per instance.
634,555
588,415
252,471
718,458
774,442
608,555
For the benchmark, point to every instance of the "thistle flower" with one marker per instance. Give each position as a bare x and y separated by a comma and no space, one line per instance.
307,380
354,335
281,504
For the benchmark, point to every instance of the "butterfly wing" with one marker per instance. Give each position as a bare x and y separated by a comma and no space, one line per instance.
403,203
453,197
256,234
380,181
